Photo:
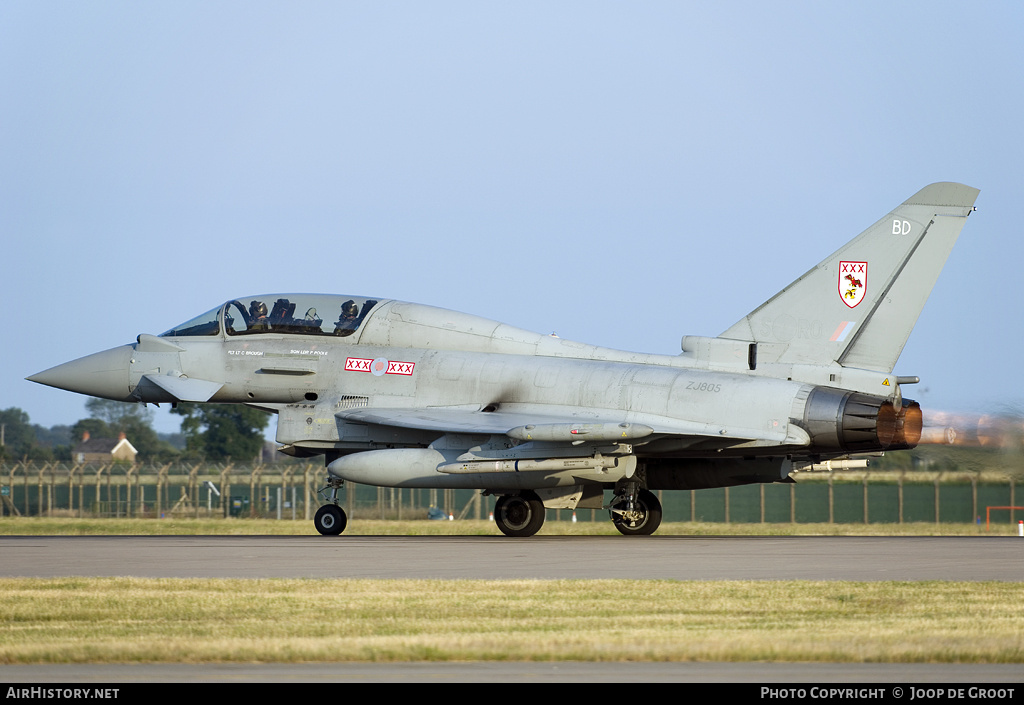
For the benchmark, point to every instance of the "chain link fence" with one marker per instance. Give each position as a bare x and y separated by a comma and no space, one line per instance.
289,491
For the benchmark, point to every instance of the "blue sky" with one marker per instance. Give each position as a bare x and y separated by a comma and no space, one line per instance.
620,173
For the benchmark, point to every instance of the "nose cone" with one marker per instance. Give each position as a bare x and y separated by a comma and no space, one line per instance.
103,374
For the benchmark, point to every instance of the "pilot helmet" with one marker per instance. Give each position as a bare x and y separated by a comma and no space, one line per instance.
257,309
349,309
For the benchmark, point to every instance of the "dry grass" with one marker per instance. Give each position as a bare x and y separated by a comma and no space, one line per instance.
94,620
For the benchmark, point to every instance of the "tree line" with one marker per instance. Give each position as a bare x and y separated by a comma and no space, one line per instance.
208,432
221,433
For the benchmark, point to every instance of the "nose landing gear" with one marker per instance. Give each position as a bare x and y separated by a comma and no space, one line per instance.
330,519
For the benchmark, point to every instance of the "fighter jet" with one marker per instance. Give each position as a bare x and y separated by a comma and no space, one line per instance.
398,394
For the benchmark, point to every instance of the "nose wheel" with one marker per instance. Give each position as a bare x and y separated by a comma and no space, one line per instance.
330,520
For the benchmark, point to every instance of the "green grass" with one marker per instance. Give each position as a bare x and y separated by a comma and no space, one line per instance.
103,620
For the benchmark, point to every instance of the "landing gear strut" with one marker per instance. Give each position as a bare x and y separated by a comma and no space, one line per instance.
519,515
636,512
330,519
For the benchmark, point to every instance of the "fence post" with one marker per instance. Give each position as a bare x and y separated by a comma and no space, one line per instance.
974,497
39,490
25,482
108,470
81,493
899,494
71,490
831,500
865,498
225,490
350,498
1013,500
10,483
286,482
50,487
47,467
307,491
193,490
99,487
288,477
10,502
253,490
129,475
161,490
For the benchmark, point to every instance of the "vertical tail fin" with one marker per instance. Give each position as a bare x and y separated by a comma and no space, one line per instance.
858,306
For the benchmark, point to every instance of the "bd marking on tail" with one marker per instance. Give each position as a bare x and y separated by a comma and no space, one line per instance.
900,227
853,277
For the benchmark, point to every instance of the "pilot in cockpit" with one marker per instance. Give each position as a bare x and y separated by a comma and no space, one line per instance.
258,316
348,321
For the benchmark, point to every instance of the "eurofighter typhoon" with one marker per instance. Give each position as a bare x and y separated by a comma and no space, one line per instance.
398,394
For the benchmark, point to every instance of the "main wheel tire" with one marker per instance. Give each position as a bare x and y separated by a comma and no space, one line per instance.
648,517
330,520
519,515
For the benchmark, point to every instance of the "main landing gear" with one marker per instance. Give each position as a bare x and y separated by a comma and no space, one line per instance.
330,519
519,514
636,512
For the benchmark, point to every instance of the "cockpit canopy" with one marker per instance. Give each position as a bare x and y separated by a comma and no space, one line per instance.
292,314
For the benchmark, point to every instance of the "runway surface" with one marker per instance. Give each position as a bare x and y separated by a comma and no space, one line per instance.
491,672
538,557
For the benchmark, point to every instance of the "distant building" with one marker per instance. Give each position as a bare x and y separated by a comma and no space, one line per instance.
103,450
